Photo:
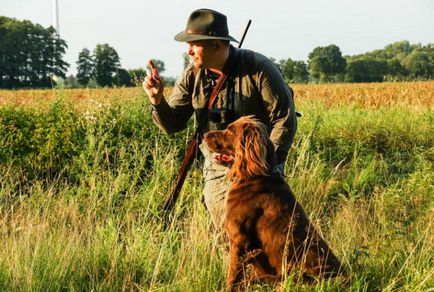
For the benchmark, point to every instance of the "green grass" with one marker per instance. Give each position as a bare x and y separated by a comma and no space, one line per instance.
81,191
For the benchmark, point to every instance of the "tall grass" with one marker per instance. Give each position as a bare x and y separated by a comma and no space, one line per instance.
83,179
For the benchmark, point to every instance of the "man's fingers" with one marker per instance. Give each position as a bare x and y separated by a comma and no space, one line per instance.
148,73
150,82
154,70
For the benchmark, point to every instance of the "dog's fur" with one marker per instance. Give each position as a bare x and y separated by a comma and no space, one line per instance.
267,229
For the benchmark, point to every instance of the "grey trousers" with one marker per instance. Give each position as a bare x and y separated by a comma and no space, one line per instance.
216,186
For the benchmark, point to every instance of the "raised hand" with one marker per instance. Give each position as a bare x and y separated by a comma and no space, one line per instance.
153,85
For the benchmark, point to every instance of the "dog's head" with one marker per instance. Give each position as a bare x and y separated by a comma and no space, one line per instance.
245,145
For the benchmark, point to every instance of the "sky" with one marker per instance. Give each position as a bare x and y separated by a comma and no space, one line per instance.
140,30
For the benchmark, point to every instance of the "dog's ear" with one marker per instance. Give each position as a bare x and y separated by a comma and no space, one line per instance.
251,152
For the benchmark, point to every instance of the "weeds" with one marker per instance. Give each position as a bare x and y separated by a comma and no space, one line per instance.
84,174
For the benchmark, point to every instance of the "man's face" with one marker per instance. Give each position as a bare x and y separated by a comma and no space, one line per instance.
200,53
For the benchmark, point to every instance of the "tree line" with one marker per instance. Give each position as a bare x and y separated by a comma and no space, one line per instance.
400,61
32,56
102,68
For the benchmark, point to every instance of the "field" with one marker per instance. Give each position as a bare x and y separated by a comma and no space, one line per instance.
83,174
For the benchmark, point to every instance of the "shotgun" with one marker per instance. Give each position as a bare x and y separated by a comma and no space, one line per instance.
193,148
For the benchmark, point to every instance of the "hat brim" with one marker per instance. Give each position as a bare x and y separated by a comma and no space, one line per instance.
183,36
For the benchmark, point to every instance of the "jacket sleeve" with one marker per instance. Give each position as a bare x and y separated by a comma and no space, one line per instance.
172,115
279,103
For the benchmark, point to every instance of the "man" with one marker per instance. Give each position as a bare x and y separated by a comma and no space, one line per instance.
254,86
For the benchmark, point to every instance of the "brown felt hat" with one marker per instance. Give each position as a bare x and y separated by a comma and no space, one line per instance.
205,24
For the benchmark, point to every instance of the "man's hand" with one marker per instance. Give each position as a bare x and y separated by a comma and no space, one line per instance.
153,85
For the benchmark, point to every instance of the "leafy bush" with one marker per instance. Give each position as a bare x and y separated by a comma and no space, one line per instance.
83,181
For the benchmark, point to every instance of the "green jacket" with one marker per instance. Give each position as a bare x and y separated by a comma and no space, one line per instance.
254,86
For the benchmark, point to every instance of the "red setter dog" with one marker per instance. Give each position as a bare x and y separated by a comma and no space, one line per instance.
267,229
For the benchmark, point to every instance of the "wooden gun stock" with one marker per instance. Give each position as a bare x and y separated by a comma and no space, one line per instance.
190,155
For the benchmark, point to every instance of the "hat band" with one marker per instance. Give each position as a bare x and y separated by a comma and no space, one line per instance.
212,33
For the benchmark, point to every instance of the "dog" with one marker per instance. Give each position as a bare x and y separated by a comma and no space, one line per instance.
267,228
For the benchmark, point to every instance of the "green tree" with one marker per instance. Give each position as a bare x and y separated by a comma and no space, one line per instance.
294,71
12,60
365,71
395,70
106,64
122,77
397,57
30,55
420,64
326,63
59,67
84,67
301,72
398,50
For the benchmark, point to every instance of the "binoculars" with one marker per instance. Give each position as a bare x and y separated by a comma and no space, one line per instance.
219,119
